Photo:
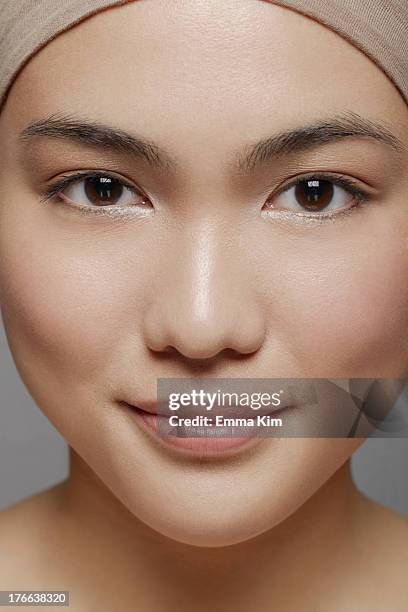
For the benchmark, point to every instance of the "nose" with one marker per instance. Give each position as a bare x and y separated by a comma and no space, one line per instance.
204,301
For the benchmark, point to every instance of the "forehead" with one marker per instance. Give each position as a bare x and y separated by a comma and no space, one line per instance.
202,68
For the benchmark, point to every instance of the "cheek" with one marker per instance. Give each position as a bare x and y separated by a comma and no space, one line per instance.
342,304
358,317
63,301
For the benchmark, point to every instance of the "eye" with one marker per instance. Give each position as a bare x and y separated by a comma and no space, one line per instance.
97,191
317,195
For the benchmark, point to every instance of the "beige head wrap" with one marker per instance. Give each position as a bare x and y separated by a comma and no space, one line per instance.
377,27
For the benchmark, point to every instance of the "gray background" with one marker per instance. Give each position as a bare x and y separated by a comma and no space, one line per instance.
34,456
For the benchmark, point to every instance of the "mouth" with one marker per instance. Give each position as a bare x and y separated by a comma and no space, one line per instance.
162,409
201,433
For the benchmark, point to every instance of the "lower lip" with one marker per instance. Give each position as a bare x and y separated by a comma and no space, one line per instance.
200,446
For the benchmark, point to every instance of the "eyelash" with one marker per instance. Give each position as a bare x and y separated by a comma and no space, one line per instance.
346,183
52,191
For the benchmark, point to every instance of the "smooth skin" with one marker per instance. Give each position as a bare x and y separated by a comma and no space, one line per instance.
216,274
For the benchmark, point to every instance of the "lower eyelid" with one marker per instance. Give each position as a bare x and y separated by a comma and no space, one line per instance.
110,211
301,217
313,219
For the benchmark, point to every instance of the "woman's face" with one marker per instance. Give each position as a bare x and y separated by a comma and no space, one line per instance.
207,262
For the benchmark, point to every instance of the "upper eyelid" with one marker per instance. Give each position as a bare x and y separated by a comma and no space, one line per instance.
72,178
56,185
83,174
338,179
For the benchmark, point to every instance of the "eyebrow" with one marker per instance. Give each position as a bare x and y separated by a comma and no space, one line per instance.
91,133
297,140
308,137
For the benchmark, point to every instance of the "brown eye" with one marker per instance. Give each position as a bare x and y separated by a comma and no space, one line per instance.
99,191
103,190
314,195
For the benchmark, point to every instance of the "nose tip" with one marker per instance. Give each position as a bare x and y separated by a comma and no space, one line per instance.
207,301
204,339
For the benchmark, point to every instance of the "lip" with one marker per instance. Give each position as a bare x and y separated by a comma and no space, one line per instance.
162,408
155,424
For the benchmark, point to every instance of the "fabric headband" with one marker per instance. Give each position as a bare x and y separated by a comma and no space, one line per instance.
379,28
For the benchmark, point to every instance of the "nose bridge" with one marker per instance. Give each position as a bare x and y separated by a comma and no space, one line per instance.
205,303
205,273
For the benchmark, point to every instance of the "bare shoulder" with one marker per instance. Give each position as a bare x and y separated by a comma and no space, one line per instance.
27,529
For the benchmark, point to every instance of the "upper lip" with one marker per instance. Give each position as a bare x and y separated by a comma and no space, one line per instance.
154,407
150,406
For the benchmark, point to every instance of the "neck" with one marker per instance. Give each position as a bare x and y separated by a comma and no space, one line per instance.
159,573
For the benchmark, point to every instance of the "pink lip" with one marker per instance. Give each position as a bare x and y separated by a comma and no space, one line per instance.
153,407
155,425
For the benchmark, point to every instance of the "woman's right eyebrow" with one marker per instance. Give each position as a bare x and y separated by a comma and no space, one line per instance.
95,134
288,142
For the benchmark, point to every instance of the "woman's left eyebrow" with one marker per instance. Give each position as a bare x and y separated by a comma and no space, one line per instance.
304,138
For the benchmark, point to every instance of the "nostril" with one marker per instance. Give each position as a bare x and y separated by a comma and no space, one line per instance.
193,366
233,325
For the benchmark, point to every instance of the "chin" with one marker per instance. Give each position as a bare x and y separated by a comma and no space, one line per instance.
214,514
